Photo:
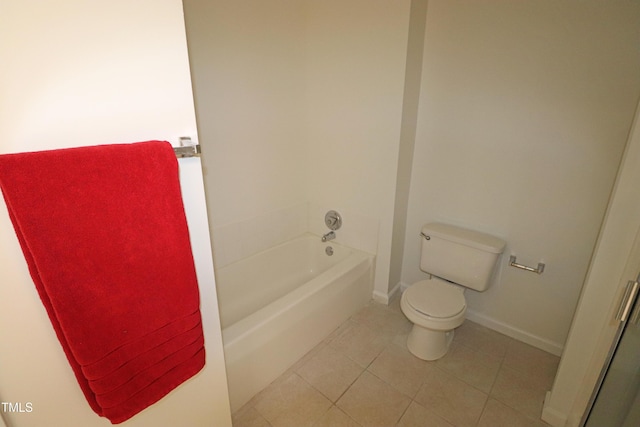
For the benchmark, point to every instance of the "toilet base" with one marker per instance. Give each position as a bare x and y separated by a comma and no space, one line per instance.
427,344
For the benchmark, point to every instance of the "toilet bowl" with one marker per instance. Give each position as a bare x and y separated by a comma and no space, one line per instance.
435,307
456,259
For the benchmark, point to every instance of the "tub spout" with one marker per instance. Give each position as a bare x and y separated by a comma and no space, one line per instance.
329,236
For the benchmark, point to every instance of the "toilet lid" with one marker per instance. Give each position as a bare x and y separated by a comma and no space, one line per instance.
435,298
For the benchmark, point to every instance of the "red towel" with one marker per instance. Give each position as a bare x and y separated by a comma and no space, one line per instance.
105,237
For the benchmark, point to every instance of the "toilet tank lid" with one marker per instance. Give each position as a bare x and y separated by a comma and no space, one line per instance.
463,236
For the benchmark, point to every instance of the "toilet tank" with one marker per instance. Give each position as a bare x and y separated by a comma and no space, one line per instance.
462,256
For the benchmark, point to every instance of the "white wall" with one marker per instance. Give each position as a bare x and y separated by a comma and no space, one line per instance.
524,112
356,56
81,73
299,106
247,60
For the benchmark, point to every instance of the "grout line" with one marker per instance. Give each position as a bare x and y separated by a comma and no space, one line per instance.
484,408
498,372
403,412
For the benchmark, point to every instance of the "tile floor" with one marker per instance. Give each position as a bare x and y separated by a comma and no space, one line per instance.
363,375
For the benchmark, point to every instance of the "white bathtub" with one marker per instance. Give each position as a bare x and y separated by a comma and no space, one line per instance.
277,305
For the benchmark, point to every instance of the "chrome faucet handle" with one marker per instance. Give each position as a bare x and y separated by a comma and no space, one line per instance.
333,220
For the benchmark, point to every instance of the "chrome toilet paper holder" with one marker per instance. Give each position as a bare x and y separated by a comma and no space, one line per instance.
514,263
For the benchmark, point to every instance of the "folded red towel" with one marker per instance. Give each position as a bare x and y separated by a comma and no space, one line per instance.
141,363
138,349
105,237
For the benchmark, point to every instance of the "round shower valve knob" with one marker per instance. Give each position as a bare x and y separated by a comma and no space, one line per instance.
333,220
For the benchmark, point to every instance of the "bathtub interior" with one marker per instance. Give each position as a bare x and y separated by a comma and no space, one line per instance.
247,285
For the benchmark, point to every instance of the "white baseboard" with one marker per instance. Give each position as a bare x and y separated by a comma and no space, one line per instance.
385,298
516,333
552,416
402,286
381,297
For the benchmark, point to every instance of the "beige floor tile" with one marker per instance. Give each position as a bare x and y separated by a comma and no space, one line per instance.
258,396
472,366
382,319
372,402
337,332
447,393
538,365
401,338
401,332
330,372
336,418
482,338
497,414
401,369
451,398
304,359
249,418
359,343
292,402
518,391
419,416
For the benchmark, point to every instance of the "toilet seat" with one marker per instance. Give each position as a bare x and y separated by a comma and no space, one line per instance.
436,299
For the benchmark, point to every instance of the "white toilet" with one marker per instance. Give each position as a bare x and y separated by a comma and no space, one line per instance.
456,259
